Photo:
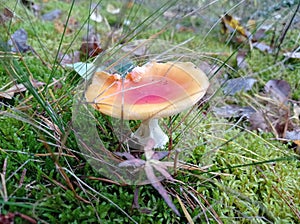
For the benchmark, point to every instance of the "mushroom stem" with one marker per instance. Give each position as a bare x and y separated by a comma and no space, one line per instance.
149,129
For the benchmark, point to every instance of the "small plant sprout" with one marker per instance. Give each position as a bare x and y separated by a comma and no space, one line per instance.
152,91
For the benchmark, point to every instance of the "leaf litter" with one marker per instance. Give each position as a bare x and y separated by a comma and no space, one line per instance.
52,15
18,41
272,111
6,15
96,16
18,88
233,86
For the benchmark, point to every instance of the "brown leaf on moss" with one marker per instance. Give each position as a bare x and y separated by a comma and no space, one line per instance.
242,84
278,89
274,114
91,45
70,27
18,41
241,59
71,58
263,47
258,122
52,15
6,15
18,88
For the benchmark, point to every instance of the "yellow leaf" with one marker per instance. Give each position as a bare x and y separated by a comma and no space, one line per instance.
231,24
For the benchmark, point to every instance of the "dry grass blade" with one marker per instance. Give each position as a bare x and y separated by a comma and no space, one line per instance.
3,189
186,213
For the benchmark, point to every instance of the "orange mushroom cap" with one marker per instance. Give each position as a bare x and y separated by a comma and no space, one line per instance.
152,91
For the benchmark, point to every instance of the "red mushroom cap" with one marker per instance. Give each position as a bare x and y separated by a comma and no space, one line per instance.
151,91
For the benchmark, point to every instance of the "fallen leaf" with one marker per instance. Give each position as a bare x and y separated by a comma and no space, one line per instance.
273,118
233,111
169,14
258,122
159,155
9,93
91,45
295,55
57,84
275,113
18,88
241,59
182,28
52,15
9,218
232,86
71,26
6,15
112,9
136,48
18,41
293,135
259,34
278,89
96,16
263,47
231,24
71,58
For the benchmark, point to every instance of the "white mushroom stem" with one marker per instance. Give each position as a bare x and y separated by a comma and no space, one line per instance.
149,129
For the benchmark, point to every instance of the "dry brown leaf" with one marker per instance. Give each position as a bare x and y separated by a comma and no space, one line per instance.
275,112
137,48
6,15
263,47
258,122
52,15
71,26
242,84
278,89
91,45
18,88
230,111
71,58
241,59
231,24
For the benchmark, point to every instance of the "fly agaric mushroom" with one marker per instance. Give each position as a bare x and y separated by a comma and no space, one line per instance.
147,93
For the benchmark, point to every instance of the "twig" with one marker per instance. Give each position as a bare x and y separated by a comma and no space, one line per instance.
285,30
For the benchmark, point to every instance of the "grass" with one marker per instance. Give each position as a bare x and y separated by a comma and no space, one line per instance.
236,175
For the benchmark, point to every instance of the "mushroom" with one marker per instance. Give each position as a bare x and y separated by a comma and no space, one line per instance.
147,93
